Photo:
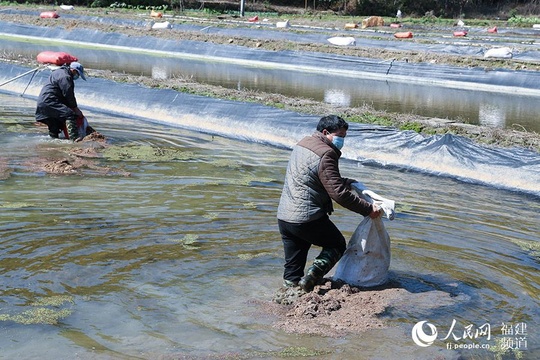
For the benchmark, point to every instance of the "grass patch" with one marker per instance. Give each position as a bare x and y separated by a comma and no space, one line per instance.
414,126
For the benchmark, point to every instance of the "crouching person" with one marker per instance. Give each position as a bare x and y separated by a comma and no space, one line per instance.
57,105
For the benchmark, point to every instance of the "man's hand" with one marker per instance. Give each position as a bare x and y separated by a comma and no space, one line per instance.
376,212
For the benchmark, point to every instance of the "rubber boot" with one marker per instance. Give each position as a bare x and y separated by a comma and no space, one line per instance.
73,131
313,276
53,134
321,266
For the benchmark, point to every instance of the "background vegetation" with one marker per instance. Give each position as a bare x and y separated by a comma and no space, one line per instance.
497,9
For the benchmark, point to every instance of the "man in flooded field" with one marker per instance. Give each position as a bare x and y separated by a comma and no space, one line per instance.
57,105
312,181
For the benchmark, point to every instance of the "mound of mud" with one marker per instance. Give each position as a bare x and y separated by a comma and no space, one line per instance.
333,309
67,158
94,136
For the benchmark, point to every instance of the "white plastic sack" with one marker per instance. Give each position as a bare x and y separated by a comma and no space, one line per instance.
162,25
502,53
343,41
366,260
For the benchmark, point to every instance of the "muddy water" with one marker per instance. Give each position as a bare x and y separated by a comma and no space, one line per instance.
475,107
172,251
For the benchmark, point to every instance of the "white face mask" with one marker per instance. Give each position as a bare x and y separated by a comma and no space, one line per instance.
338,141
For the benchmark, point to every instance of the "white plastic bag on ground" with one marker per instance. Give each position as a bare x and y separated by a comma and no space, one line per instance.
367,259
501,53
343,41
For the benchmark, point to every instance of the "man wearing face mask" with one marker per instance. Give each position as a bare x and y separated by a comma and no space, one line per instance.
56,104
311,183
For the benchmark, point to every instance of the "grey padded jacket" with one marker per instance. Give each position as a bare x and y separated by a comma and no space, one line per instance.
313,180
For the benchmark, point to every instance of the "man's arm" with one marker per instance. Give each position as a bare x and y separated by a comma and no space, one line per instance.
338,188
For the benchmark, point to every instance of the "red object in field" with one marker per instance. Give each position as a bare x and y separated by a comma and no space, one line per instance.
460,33
55,58
393,25
49,15
492,30
403,35
253,19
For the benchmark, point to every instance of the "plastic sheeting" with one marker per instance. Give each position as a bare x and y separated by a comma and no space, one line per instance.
440,39
507,81
369,145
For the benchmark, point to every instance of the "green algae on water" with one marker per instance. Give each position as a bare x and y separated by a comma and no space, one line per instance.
188,240
42,314
56,300
145,153
211,216
248,180
247,256
502,351
228,163
532,247
15,205
300,351
250,205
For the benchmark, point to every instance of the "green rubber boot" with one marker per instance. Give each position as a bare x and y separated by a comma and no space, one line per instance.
321,266
73,132
312,278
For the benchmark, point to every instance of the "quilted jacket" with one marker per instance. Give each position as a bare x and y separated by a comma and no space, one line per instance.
313,180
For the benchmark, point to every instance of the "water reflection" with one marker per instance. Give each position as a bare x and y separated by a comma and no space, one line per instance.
492,115
159,72
337,97
431,101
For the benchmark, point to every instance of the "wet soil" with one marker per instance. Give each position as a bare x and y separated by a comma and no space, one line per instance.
428,126
63,157
332,309
335,309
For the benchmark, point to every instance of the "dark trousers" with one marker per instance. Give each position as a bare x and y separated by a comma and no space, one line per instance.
55,126
298,238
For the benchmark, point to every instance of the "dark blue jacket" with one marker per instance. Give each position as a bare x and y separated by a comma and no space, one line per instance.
57,97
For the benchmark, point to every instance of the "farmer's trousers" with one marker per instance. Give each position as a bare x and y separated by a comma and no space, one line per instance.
56,125
297,240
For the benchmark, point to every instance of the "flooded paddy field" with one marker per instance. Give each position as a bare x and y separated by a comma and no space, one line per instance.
161,242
